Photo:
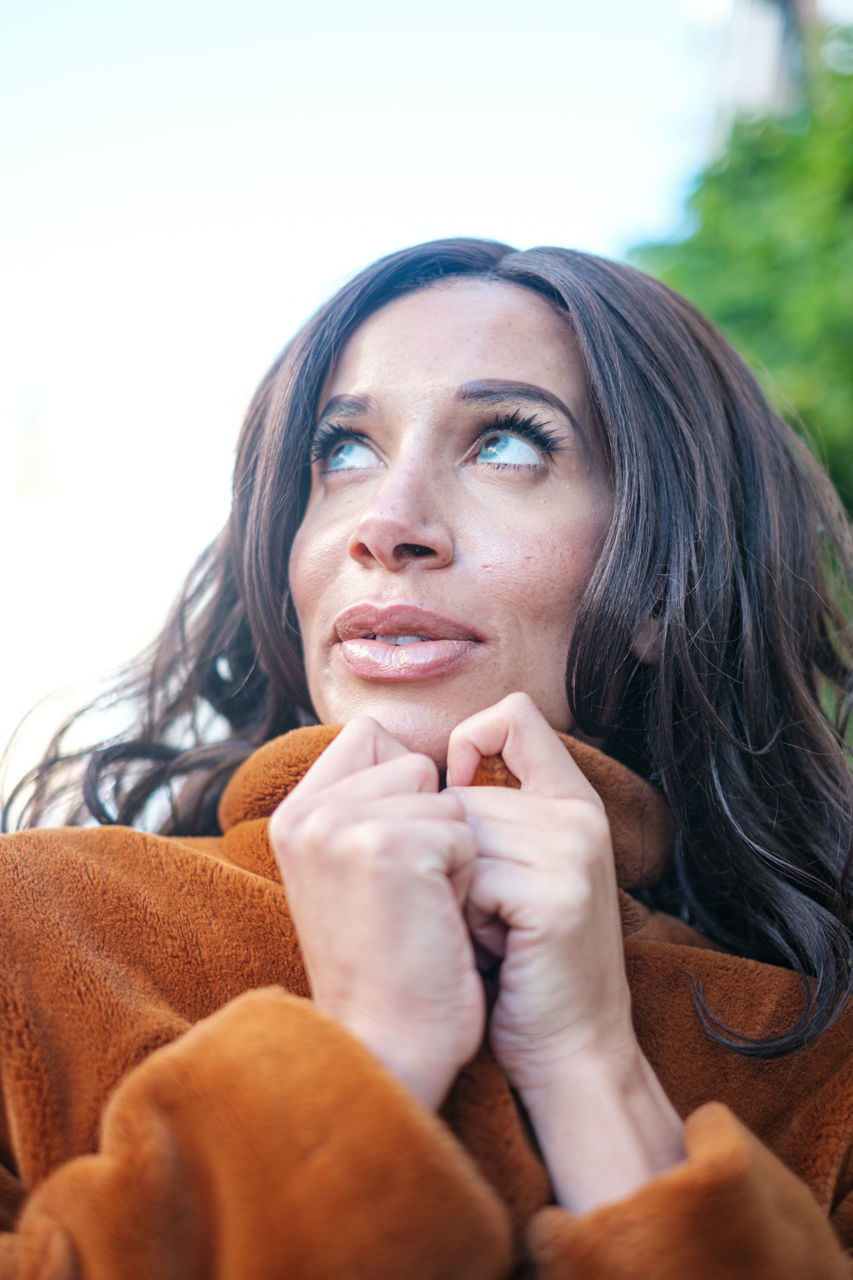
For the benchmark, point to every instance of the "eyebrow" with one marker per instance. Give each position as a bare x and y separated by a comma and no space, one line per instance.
491,391
500,390
347,407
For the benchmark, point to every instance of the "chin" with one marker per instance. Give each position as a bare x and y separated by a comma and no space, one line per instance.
422,724
427,735
416,724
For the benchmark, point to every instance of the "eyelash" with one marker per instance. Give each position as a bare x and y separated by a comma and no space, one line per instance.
330,434
327,435
545,439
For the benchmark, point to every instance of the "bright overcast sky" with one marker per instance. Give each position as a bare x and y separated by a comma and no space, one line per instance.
185,182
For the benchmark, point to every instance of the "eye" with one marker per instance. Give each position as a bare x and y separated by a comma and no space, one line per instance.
350,455
503,449
338,448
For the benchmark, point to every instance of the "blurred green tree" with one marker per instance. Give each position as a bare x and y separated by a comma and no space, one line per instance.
770,256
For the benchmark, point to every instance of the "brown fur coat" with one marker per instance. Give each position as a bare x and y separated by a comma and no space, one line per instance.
174,1107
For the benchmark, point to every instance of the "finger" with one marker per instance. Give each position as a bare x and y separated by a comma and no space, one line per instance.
488,931
532,829
462,877
436,806
516,730
548,899
519,842
505,891
427,845
348,805
398,780
511,807
361,745
406,775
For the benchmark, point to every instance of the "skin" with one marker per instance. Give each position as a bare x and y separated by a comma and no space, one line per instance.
395,883
509,549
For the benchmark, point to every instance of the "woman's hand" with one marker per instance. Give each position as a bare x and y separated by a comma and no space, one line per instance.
544,898
376,863
544,894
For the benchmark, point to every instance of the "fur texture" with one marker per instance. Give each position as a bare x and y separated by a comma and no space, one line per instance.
174,1106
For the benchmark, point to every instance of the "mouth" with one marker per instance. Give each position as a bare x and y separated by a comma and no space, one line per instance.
402,641
398,640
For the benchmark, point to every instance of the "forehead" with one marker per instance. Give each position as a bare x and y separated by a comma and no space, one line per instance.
456,332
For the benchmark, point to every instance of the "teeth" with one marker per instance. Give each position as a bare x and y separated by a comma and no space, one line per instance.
399,639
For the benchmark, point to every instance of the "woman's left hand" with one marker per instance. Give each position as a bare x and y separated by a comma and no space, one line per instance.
544,899
544,894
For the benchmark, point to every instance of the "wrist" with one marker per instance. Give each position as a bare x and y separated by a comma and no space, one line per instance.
421,1067
604,1124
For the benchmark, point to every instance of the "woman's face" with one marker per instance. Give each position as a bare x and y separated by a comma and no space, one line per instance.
458,504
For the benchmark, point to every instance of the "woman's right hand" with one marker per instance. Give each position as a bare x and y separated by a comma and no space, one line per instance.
376,863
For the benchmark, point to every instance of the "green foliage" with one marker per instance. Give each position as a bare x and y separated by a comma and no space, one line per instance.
770,259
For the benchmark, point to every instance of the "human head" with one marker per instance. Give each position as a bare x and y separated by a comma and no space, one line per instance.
473,497
712,498
711,649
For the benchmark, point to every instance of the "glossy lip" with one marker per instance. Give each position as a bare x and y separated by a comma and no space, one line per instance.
447,641
365,619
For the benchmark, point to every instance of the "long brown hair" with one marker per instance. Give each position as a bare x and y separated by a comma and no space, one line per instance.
724,531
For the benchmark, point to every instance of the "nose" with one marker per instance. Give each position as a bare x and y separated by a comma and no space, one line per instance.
404,520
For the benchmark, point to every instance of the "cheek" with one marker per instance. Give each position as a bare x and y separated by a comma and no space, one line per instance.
318,551
307,582
545,575
304,573
554,575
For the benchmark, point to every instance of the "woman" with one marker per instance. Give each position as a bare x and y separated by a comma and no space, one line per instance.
483,497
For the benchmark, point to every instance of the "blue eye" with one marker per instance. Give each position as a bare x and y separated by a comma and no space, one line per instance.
349,455
506,450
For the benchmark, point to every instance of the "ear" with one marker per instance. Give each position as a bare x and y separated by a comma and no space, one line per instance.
646,643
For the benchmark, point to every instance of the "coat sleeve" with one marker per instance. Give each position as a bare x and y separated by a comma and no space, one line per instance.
730,1211
265,1142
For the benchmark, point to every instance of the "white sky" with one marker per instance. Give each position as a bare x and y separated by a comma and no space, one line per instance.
184,183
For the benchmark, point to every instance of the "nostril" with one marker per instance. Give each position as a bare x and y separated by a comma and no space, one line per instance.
382,537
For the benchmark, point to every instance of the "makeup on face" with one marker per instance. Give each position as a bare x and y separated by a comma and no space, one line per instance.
458,505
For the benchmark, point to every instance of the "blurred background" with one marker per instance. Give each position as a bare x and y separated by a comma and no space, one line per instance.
184,183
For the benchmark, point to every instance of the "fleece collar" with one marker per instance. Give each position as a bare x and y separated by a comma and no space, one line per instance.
640,822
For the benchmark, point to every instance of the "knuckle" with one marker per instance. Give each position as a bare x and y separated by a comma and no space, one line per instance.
453,808
584,864
560,910
596,825
360,729
373,842
466,843
422,771
588,818
294,831
281,824
316,827
519,703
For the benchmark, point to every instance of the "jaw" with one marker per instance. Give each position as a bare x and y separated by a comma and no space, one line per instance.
420,714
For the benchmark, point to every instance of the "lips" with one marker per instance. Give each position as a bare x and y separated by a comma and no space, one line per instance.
365,620
402,641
